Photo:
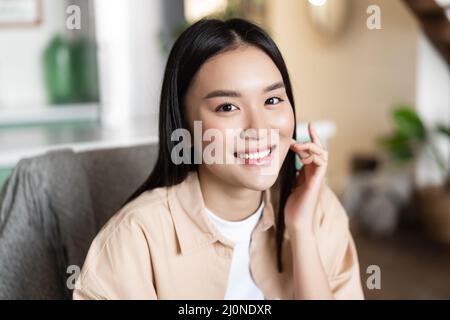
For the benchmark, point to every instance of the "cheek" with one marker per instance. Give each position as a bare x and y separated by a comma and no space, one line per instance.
215,133
226,128
285,122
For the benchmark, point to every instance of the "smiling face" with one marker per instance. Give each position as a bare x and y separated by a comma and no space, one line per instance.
240,94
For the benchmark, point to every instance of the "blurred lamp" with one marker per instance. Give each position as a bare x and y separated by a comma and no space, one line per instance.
195,10
328,16
317,2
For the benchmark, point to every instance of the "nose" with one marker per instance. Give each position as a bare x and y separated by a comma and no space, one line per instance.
256,127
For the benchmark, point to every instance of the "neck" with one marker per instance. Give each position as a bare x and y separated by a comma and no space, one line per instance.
229,202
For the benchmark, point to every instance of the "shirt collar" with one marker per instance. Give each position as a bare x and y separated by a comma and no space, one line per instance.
193,228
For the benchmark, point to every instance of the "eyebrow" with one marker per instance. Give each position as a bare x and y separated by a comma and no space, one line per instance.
276,85
237,94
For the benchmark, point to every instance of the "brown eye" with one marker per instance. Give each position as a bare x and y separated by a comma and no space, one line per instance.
226,108
273,100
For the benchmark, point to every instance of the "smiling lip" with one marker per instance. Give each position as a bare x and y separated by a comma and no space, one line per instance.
259,156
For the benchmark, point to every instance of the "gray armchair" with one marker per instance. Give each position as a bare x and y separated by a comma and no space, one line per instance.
51,209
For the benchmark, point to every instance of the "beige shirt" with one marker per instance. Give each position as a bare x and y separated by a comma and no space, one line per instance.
163,246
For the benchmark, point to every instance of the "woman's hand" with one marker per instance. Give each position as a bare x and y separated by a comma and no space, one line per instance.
301,204
310,279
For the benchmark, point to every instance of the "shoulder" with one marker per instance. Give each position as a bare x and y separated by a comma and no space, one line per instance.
330,210
132,228
337,247
332,229
147,209
120,257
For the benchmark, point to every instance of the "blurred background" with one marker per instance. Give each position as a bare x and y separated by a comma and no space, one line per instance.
373,74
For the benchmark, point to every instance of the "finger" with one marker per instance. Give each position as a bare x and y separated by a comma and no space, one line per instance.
310,146
313,134
308,160
304,154
314,159
319,161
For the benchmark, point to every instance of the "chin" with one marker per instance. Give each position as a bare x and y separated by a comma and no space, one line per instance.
258,182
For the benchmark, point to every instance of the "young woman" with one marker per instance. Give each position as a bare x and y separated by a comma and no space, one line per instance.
207,230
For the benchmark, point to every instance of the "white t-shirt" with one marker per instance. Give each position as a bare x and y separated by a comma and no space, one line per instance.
240,282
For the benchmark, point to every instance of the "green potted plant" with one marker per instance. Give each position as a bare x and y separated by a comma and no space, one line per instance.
409,139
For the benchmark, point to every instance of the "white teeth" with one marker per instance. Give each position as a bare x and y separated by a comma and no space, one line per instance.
254,156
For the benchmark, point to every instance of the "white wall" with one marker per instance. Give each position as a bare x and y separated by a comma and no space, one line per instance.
131,58
433,104
21,70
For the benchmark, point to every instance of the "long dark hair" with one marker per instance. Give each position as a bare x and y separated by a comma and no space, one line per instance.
196,44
